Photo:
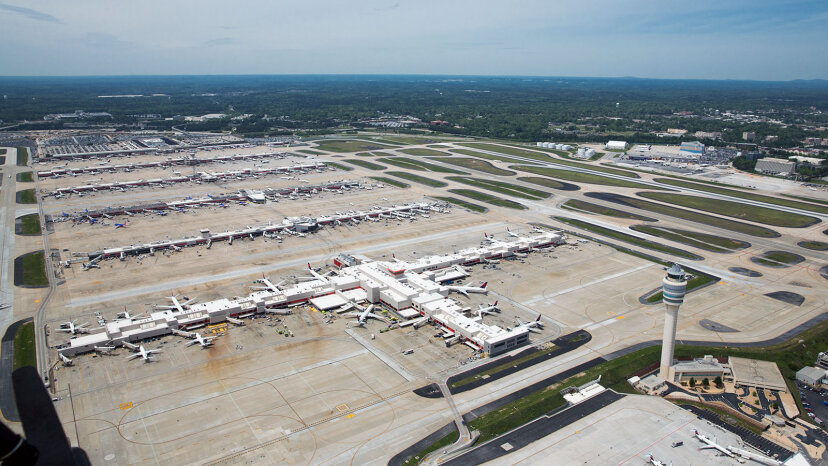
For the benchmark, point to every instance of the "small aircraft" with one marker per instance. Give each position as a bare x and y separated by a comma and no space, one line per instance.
512,234
73,328
532,326
120,225
465,289
363,316
141,352
66,361
653,461
204,342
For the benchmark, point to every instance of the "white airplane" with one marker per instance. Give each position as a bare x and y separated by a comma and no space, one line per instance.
532,326
512,234
128,316
481,309
141,352
268,285
711,444
73,328
362,317
654,461
465,289
204,342
66,361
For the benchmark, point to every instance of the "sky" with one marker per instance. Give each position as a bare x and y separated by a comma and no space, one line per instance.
700,39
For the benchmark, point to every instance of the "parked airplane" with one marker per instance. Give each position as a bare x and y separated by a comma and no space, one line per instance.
513,235
654,461
204,342
141,352
104,349
711,444
66,361
362,317
532,326
465,289
481,309
73,328
120,225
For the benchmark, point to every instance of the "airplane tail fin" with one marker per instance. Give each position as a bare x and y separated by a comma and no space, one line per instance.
538,319
484,285
495,304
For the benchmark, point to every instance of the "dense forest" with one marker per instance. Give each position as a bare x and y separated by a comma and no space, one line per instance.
527,108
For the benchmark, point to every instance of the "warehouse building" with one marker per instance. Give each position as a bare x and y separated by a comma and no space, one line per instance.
617,145
775,166
813,376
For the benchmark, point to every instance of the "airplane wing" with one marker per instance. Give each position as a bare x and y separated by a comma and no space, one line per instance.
375,316
463,292
133,356
130,345
191,342
352,314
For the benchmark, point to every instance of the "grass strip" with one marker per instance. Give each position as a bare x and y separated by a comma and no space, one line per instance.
510,363
30,224
732,225
311,152
351,145
479,165
745,195
25,177
443,442
813,245
627,238
501,187
415,164
578,177
481,155
418,179
549,183
735,210
34,269
26,196
462,203
366,164
696,239
424,152
24,346
488,198
22,156
390,181
581,206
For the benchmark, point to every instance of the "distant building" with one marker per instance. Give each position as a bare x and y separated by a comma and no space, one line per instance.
748,136
677,131
692,148
775,166
756,373
617,145
708,134
813,376
771,138
822,360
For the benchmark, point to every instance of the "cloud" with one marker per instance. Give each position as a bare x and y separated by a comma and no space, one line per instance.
29,13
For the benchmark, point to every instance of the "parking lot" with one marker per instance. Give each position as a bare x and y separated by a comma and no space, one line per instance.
814,401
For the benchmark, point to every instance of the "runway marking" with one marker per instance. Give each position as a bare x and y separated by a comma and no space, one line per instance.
37,300
342,408
126,405
350,415
584,285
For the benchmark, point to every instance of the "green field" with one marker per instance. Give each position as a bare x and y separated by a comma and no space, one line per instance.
597,156
479,165
813,245
462,203
545,158
339,166
34,270
577,177
443,442
424,152
696,239
418,179
487,198
22,156
739,227
338,145
366,164
24,346
502,188
481,155
735,209
390,181
627,238
421,165
745,195
311,152
30,224
373,154
26,196
549,183
777,258
411,140
25,177
575,204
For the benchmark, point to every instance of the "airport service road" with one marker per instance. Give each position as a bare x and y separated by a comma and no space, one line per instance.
155,288
8,206
656,184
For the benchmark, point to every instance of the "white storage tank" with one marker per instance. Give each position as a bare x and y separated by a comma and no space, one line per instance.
547,144
566,147
581,152
590,152
540,144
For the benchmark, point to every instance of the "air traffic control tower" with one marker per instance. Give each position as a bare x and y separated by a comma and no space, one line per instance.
673,288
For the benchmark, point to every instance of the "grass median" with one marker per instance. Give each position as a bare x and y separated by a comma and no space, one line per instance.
698,217
350,146
462,203
488,198
578,177
502,188
627,238
416,164
30,270
479,165
738,210
22,156
365,164
696,239
29,225
588,207
745,195
25,177
418,179
24,346
339,166
424,152
26,196
390,181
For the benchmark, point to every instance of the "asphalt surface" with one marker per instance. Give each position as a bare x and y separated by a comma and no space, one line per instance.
756,441
815,400
535,430
8,406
